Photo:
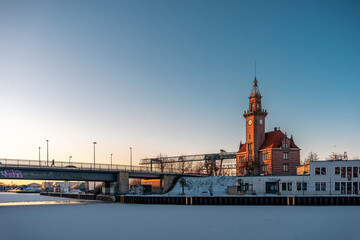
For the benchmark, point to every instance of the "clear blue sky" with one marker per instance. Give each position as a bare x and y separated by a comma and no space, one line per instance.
173,77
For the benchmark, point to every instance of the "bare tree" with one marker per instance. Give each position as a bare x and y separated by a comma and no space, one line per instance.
161,162
183,166
170,166
336,156
312,157
252,167
198,167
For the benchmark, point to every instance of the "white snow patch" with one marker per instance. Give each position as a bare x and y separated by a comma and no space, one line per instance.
177,222
30,197
215,185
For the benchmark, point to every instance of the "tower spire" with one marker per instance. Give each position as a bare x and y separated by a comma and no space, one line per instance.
255,69
255,90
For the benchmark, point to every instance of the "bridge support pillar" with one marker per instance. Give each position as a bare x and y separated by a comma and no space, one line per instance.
123,183
169,182
106,188
161,184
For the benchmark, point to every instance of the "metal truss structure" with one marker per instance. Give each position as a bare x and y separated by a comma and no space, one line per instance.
222,163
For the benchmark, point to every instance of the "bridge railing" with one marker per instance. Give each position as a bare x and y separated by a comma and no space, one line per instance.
83,166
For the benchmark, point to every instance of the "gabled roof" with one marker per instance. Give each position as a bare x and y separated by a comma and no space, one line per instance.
273,140
242,148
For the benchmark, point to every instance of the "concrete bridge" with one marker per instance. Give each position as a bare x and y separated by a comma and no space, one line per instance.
115,177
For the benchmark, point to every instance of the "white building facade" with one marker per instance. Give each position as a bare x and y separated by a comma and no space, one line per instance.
338,177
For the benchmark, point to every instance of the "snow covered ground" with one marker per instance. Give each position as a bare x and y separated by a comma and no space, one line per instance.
147,222
27,197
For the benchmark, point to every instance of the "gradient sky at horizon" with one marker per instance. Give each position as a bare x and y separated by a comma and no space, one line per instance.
173,77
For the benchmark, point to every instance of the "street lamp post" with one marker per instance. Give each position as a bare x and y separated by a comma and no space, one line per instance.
39,157
94,153
130,158
47,153
94,164
111,160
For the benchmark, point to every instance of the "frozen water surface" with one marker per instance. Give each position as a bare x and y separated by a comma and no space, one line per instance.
25,197
127,221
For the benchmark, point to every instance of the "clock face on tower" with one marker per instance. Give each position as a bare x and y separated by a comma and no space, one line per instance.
250,122
261,121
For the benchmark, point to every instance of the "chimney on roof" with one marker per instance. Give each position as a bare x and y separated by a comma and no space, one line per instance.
275,128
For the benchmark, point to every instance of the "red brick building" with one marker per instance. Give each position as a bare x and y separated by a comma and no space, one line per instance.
264,153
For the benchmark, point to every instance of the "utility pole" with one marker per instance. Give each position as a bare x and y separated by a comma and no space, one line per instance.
47,153
39,157
94,164
130,158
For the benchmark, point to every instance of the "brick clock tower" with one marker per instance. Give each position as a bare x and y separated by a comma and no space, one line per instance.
255,128
264,153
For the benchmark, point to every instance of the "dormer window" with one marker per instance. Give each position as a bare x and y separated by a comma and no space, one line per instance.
286,145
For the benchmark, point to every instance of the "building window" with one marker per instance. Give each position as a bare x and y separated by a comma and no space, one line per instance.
323,186
317,171
250,146
298,186
349,172
355,188
285,167
343,186
355,172
264,168
337,170
286,145
264,156
323,171
348,189
304,186
241,159
241,170
337,186
343,172
317,186
283,186
249,136
286,156
289,186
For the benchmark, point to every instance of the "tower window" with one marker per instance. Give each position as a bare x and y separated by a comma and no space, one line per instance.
285,167
249,136
250,146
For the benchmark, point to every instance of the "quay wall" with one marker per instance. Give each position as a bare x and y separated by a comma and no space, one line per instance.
219,200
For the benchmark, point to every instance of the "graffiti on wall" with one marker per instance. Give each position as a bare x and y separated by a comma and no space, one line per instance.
9,173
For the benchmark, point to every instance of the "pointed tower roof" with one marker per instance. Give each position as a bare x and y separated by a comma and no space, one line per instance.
255,89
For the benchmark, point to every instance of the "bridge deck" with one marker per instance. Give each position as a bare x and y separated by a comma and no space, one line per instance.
43,170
